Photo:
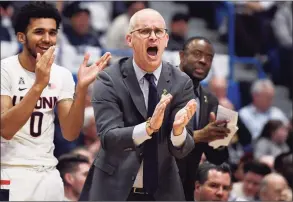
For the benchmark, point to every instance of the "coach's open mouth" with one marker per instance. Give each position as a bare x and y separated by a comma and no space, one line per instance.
152,51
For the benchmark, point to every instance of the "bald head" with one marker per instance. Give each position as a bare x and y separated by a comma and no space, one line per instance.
139,16
272,186
218,81
218,86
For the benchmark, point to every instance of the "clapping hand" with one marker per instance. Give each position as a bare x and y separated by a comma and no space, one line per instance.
86,75
183,116
158,115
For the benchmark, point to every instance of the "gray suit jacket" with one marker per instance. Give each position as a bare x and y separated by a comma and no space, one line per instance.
119,105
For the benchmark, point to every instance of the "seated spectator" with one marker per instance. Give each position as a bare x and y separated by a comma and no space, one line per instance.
115,36
79,31
218,86
284,165
283,27
77,37
83,151
272,140
290,136
260,111
178,31
9,43
251,27
73,170
249,188
271,188
213,182
286,195
238,174
268,160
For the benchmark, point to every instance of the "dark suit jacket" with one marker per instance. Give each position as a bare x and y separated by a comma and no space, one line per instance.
119,105
189,164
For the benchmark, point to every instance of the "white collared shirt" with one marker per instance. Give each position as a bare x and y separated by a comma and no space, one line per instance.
139,134
255,120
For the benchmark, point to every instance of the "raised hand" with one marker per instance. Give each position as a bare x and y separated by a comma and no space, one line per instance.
183,116
43,67
213,131
86,75
158,115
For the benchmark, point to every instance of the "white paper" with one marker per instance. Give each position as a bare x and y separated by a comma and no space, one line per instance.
226,114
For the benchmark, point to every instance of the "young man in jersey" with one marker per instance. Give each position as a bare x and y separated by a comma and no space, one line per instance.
31,87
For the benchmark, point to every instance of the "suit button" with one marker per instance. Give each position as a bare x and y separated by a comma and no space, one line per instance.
140,154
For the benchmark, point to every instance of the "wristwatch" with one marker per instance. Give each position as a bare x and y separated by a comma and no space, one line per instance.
148,125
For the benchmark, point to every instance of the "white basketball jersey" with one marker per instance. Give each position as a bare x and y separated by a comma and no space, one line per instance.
33,143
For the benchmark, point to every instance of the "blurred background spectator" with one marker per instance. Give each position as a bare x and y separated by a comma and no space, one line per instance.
178,31
248,189
78,29
283,28
73,170
9,44
272,140
271,188
115,37
218,86
251,71
284,165
261,110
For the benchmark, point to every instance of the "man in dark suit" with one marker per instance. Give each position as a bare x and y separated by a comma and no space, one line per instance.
143,110
195,60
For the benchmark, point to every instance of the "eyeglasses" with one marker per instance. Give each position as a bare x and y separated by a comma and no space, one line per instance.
146,32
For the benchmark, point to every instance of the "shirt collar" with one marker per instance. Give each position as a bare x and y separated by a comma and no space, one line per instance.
140,72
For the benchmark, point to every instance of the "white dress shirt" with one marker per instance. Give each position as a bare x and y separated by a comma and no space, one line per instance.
139,134
255,120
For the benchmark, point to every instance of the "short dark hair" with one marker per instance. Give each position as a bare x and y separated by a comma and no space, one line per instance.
5,4
180,16
191,39
68,163
203,171
256,167
73,8
269,128
38,9
128,4
283,160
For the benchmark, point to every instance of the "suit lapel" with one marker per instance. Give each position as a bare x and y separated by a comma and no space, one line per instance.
204,103
164,80
132,84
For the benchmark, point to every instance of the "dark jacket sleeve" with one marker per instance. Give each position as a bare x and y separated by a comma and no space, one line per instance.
109,118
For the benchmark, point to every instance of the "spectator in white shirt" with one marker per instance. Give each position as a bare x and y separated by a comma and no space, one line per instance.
260,111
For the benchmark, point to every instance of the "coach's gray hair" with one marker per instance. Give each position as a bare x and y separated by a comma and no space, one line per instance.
260,85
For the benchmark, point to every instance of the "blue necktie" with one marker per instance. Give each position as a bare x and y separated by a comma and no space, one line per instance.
150,151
